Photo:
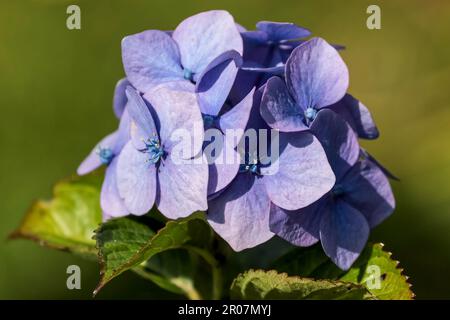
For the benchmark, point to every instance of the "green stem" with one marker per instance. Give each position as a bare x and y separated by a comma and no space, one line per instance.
215,270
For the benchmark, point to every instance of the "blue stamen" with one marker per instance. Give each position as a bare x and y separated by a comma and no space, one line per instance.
154,149
188,75
105,154
252,168
310,114
209,121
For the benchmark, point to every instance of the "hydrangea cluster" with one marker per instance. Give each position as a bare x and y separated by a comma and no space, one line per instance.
216,81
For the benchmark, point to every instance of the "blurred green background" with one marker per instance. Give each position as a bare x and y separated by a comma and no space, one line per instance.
56,89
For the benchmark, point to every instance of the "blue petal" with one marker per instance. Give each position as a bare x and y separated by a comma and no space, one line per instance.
279,31
178,115
240,214
301,175
216,81
338,140
136,180
368,190
357,115
316,75
299,227
203,37
120,99
279,110
110,200
143,127
182,187
343,232
151,58
366,155
237,118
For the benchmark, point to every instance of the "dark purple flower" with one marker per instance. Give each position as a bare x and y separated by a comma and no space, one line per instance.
265,53
342,218
150,169
316,78
299,176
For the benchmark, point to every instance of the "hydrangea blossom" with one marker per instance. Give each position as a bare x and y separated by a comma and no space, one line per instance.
341,219
200,51
148,171
316,77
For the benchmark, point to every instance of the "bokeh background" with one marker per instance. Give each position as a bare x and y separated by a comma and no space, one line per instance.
56,89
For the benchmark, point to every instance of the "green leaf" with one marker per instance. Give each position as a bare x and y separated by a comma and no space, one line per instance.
374,269
68,220
260,284
173,270
126,243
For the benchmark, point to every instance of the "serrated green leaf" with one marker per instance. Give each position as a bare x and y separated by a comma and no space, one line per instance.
374,269
125,243
68,220
260,284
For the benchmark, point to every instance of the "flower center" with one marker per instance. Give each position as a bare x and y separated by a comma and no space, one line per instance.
188,75
105,154
154,149
209,121
252,168
310,114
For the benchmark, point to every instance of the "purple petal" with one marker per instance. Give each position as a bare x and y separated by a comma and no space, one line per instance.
140,112
279,31
299,227
120,99
343,233
180,120
224,166
366,155
93,160
110,200
124,132
301,175
136,180
255,37
182,187
277,70
240,214
216,81
368,190
151,58
358,117
316,75
237,118
279,110
204,36
338,140
143,126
